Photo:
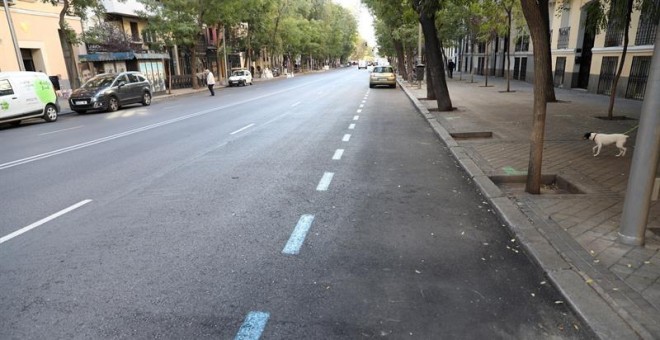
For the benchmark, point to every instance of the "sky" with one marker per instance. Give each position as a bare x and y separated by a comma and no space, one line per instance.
365,20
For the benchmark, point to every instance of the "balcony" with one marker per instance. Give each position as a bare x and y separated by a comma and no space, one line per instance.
564,35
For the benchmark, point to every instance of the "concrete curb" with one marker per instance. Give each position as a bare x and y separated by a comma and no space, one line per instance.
606,321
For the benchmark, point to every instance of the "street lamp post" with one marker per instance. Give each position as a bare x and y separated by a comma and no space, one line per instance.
10,22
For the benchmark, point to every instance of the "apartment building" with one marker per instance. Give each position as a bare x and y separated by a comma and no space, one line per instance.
136,56
40,44
579,59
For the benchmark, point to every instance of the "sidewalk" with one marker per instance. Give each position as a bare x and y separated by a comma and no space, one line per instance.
615,288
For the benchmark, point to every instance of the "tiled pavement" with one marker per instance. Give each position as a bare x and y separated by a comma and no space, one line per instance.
581,227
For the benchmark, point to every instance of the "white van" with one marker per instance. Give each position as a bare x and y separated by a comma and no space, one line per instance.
26,95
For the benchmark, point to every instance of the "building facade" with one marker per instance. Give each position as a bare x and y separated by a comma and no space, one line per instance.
134,56
579,59
41,46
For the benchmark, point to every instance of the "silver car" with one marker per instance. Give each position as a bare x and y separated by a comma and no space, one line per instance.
382,75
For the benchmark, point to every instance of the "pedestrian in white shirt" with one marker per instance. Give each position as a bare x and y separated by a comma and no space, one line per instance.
210,80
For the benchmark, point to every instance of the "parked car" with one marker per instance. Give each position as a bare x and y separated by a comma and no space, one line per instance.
26,95
240,78
382,75
111,91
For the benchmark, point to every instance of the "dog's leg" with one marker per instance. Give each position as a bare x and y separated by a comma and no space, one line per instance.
622,151
596,152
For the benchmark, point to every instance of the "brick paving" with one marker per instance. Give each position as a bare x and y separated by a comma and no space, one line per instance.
590,218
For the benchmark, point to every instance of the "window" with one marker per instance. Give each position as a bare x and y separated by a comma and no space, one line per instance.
639,74
5,88
141,78
132,78
614,34
560,67
120,79
522,43
646,30
564,34
607,73
135,33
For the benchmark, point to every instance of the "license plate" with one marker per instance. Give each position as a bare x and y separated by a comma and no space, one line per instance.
81,102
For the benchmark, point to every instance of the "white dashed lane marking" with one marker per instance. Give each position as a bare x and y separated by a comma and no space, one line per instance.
356,117
325,181
351,127
338,154
43,221
346,138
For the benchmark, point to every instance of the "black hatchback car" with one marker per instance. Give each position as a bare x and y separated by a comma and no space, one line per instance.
110,91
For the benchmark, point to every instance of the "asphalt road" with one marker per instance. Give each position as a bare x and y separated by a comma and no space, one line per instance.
303,208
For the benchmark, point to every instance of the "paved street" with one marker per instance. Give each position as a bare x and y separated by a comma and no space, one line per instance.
572,227
303,208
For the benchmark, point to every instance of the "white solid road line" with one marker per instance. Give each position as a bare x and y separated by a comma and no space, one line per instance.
295,104
351,127
346,138
338,154
56,131
325,181
42,221
243,128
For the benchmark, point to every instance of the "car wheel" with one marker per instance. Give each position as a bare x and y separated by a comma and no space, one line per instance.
80,111
393,86
146,99
113,104
243,83
371,86
50,113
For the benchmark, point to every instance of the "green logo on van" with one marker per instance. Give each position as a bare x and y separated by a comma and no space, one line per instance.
44,90
4,105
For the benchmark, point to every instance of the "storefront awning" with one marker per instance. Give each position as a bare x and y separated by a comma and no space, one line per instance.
116,56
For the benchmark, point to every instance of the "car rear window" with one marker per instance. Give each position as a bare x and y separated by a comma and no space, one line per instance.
383,69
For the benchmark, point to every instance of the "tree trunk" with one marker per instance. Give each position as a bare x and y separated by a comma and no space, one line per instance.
460,61
534,11
400,56
508,52
615,83
70,63
486,64
410,56
434,60
195,65
550,86
430,87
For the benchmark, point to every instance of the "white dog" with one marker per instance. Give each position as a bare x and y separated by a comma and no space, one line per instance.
607,139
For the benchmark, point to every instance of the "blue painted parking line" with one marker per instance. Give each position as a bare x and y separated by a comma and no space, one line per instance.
298,236
253,326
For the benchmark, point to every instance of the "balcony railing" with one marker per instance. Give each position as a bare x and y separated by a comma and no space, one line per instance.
564,35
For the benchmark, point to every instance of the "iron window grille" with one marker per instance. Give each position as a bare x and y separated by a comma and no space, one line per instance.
639,74
560,67
607,73
646,30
